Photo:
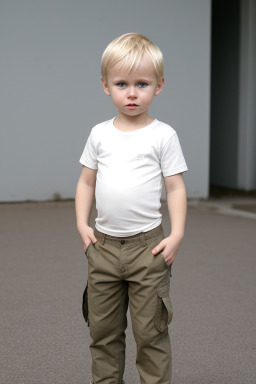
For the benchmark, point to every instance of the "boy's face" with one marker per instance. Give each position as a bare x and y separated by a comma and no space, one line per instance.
132,93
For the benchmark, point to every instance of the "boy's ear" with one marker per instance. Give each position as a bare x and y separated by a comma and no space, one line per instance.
159,87
105,86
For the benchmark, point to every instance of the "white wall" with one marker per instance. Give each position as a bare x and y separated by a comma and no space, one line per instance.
51,93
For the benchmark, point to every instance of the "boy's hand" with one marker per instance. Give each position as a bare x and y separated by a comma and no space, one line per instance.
87,235
169,248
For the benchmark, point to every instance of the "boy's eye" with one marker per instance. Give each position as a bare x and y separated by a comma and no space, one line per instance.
142,85
121,84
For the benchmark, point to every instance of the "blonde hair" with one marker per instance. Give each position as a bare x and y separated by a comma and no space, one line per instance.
128,50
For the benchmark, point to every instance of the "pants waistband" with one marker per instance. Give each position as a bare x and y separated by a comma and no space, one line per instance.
140,237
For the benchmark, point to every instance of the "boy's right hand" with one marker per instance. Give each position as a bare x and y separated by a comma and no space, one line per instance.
87,235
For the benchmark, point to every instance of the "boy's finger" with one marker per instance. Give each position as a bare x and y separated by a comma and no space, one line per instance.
86,246
158,248
94,240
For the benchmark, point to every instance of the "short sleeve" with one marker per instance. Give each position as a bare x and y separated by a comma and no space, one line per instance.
89,155
172,159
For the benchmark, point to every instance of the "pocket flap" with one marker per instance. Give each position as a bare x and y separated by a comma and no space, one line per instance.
168,306
85,304
164,312
163,290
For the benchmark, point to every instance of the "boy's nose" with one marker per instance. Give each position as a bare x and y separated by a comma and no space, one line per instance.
132,92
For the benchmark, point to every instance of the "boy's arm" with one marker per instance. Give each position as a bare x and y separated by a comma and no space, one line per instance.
84,201
177,207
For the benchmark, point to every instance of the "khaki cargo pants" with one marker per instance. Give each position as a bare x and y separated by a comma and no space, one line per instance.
122,272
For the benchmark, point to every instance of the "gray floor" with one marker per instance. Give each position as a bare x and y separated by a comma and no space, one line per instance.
43,271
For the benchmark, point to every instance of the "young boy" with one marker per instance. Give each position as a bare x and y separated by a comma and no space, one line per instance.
129,259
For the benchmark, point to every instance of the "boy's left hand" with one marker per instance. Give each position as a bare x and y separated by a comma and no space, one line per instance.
169,248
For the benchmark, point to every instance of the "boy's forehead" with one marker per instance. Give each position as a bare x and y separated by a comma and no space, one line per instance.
144,68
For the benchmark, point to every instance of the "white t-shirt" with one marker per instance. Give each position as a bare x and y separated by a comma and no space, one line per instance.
129,180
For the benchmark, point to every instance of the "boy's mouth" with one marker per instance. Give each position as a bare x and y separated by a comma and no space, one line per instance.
132,105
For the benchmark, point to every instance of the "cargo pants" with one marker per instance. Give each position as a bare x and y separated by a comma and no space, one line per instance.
123,271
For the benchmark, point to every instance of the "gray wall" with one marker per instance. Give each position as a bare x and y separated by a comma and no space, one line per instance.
51,93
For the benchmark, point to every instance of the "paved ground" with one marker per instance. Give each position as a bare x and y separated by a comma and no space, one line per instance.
44,339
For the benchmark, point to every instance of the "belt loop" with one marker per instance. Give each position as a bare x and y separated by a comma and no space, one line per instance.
102,238
142,239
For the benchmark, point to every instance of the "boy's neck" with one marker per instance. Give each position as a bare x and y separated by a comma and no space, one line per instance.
132,123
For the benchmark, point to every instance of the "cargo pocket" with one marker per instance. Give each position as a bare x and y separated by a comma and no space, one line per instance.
85,305
164,312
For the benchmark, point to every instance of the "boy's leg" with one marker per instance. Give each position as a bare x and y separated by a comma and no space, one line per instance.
110,263
151,312
107,301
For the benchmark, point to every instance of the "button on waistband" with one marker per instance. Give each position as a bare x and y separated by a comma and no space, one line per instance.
122,242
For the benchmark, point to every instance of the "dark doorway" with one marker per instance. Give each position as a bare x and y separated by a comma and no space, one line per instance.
224,93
